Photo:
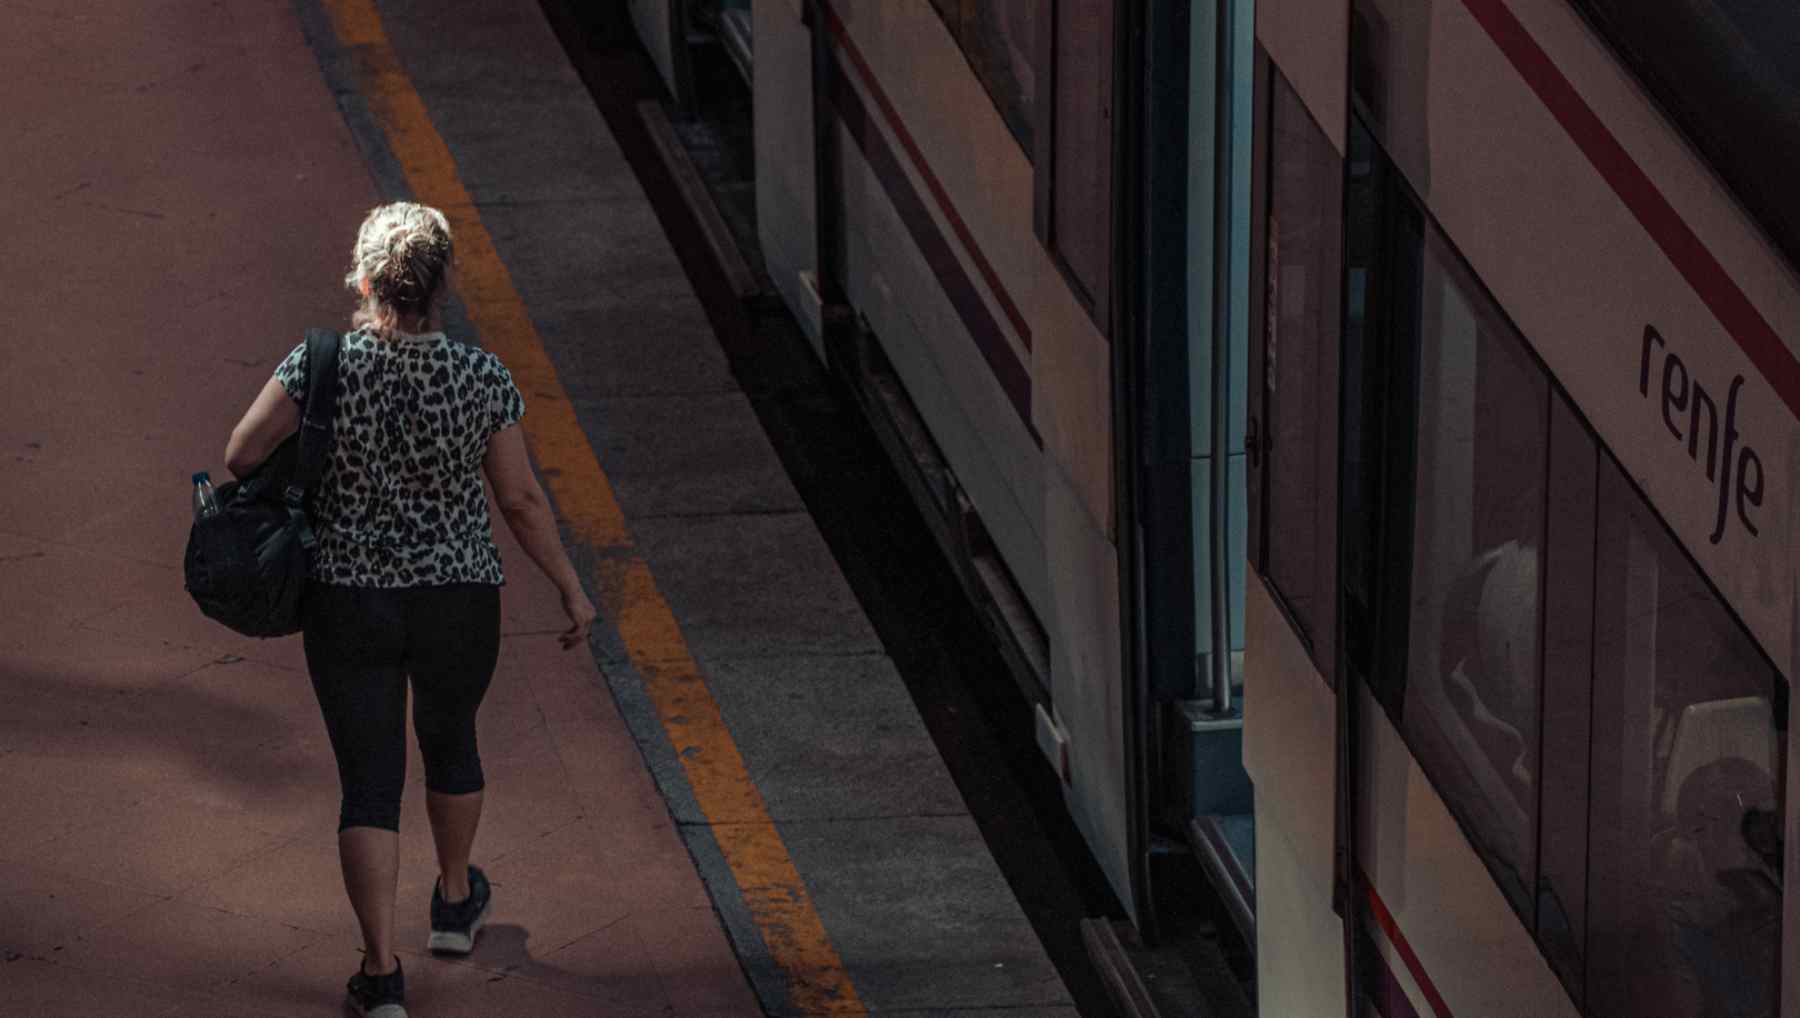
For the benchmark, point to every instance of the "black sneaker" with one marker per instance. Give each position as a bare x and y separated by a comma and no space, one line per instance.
453,927
378,996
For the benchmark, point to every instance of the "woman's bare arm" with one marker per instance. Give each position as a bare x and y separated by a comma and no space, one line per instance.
270,420
527,513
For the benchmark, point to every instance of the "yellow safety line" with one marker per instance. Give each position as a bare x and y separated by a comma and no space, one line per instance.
771,887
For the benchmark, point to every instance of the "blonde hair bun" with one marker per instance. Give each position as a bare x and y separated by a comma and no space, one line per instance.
402,251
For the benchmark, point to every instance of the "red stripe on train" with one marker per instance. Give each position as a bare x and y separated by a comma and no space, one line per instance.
1633,186
911,147
1385,919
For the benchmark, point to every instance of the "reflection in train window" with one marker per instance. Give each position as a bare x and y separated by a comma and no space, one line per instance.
1684,914
1473,668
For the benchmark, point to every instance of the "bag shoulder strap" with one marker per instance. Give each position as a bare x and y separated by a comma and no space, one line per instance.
320,413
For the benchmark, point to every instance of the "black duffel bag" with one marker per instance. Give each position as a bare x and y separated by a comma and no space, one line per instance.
247,564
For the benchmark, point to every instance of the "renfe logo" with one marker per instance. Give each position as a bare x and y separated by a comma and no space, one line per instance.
1679,395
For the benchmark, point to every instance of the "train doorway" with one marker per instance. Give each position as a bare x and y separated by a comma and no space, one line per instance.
1186,405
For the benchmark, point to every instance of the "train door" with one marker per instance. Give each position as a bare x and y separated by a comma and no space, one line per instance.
1219,819
1189,401
1290,598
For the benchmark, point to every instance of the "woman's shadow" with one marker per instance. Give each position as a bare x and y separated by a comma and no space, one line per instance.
505,954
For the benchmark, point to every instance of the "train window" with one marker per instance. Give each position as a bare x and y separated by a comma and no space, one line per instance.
1568,693
999,38
1473,668
1609,738
1375,439
1299,362
1728,72
1073,146
1445,466
1688,758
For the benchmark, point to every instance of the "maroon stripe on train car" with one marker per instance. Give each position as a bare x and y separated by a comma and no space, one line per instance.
1379,982
958,287
1653,211
1385,920
938,193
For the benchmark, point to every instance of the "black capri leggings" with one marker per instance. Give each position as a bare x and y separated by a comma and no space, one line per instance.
361,646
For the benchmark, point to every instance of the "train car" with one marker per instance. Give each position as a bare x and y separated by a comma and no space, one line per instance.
1522,626
1022,232
1372,426
906,217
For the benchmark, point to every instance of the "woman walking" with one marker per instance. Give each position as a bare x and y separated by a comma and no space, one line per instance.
406,577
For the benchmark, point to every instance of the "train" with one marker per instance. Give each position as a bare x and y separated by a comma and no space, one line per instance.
1371,427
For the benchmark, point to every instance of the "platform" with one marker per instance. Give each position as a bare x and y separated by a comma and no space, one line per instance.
696,817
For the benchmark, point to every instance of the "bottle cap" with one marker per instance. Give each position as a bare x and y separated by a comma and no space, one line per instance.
202,476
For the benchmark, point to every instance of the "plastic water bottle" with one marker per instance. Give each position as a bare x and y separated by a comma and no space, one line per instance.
206,501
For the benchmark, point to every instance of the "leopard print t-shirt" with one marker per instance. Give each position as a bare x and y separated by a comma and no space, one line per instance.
401,503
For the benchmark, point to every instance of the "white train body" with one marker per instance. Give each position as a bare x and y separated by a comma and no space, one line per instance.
1599,235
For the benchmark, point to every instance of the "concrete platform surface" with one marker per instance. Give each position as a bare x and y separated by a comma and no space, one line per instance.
186,184
181,196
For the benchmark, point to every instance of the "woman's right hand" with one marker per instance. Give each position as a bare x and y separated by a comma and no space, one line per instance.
581,617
